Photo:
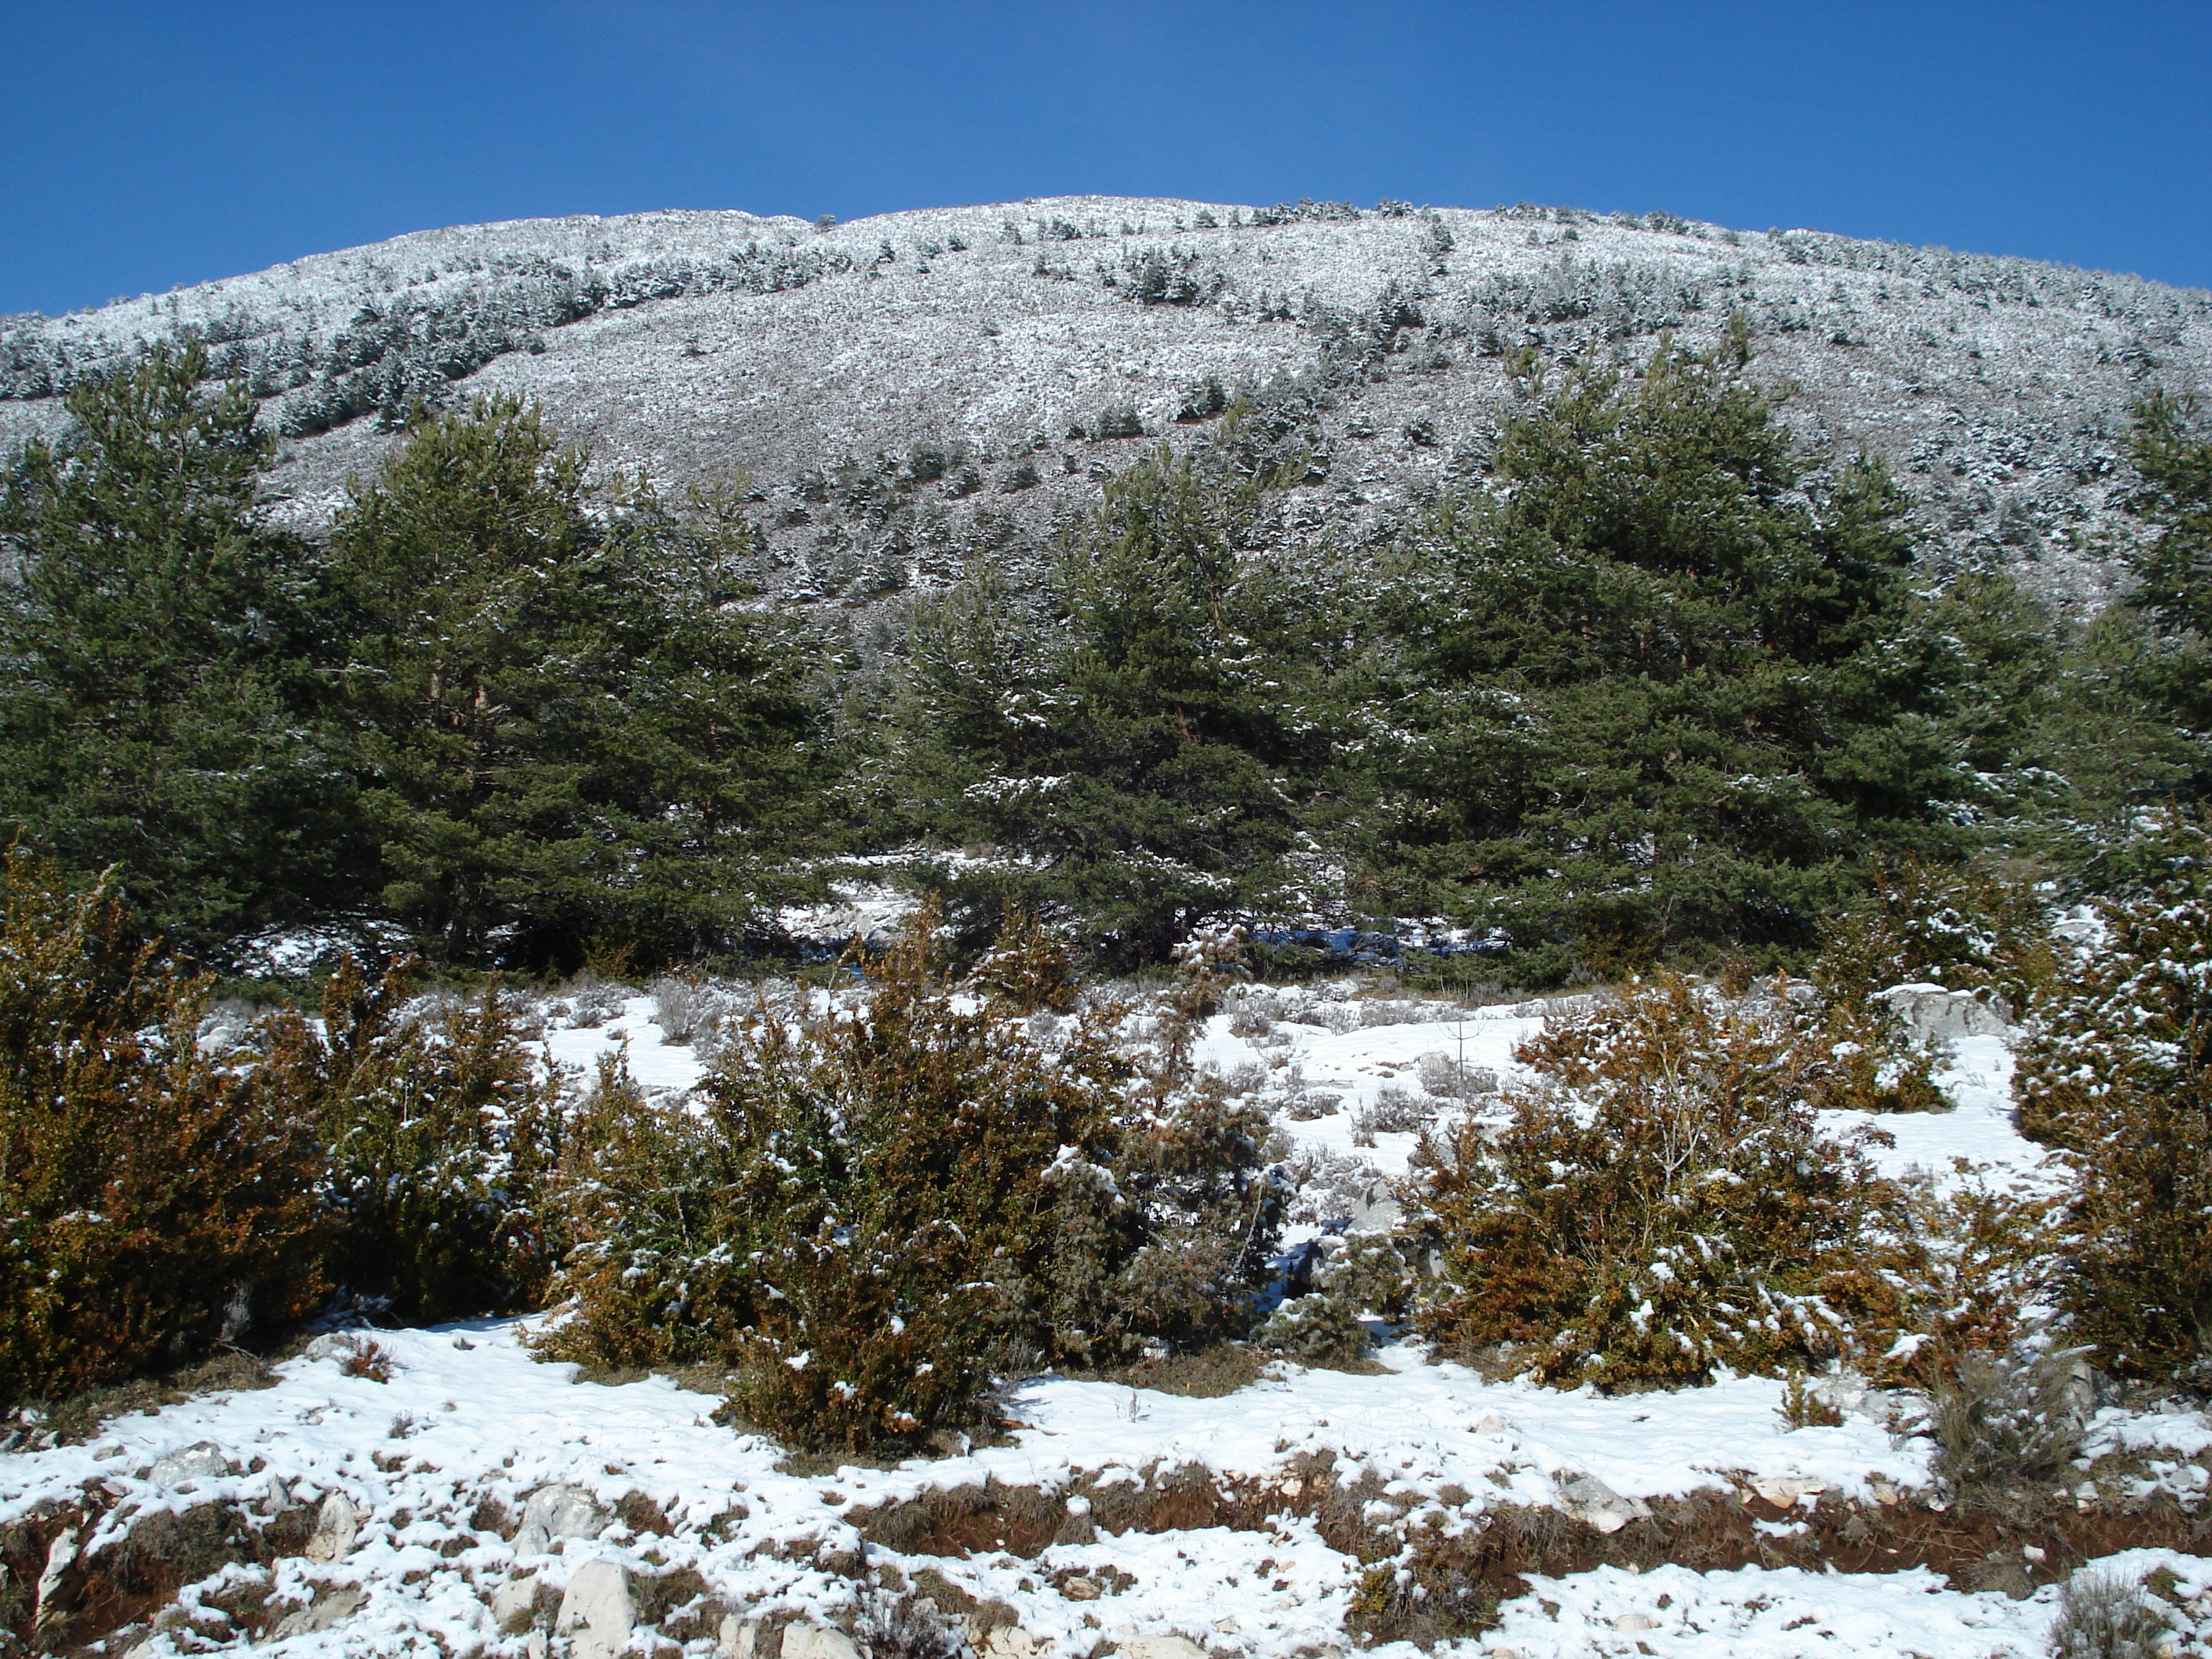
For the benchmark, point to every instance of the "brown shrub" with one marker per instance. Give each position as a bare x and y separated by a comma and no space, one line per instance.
882,1205
157,1204
440,1136
1662,1201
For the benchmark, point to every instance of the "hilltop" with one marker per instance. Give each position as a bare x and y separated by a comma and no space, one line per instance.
904,388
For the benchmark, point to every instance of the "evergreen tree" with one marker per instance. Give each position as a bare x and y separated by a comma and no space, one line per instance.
1656,688
2168,672
2175,459
1152,746
161,647
572,728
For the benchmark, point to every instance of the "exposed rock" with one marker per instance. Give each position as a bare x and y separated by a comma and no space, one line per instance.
337,1524
202,1460
598,1610
818,1642
1590,1501
61,1555
1009,1641
1377,1212
1784,1490
740,1638
558,1511
1941,1015
327,1610
1160,1646
514,1603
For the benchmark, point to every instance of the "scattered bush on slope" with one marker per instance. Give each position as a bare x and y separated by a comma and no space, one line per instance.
1664,1201
2117,1069
152,1203
887,1200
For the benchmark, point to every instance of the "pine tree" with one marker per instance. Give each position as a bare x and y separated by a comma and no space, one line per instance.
1154,745
1653,690
2172,673
163,705
571,726
2174,457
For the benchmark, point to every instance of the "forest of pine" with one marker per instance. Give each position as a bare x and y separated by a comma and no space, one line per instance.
1665,688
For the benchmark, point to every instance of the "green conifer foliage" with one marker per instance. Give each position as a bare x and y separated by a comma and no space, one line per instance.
2175,456
1649,690
1152,750
160,705
571,729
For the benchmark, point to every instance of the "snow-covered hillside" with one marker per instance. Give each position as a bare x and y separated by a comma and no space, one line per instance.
445,1492
691,344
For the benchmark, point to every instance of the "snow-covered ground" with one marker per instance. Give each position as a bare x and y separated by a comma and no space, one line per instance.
425,1486
691,345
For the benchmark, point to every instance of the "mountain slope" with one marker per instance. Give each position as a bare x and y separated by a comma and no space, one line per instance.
692,344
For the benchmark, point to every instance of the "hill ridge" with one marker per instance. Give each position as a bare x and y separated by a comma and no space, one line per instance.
691,344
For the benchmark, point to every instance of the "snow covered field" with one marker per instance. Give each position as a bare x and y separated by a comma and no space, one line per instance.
476,1501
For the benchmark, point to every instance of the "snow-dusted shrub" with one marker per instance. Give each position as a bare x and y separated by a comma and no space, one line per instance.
1661,1202
650,1196
857,1220
1320,1329
2117,1068
1304,1105
1249,1020
154,1201
2003,1421
1866,1059
1394,1111
1117,420
1337,1017
1383,1010
1328,1187
593,1002
1027,968
1962,1265
880,1205
1957,925
1451,1078
1358,1275
1370,1274
441,1138
2103,1614
928,460
686,1010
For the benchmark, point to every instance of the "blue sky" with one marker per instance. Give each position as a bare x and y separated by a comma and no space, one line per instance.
150,145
